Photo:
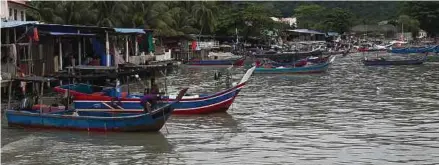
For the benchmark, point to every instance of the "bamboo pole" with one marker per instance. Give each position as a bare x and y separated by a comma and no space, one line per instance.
126,49
15,35
29,55
42,89
136,45
7,36
10,94
60,53
83,45
79,49
107,48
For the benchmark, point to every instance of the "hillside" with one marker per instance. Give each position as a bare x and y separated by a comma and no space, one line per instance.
372,12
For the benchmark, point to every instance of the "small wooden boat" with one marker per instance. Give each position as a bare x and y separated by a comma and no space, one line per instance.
381,61
318,59
232,61
195,104
102,121
262,62
317,68
433,58
414,50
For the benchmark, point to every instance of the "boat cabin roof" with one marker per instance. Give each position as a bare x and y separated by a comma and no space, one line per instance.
34,79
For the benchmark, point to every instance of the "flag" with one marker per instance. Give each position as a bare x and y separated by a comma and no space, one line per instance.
194,45
35,36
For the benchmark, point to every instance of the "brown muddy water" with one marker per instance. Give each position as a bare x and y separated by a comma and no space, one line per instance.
351,115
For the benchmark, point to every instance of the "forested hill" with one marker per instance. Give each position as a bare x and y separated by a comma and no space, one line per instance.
370,12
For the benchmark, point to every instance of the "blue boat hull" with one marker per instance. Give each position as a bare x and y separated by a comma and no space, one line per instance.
236,62
217,102
102,121
385,62
319,68
414,50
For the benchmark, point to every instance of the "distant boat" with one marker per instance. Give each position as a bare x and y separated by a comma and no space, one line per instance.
433,58
317,68
377,62
231,61
103,121
415,50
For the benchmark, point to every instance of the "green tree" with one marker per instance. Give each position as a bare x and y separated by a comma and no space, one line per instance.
63,12
206,14
409,24
338,20
426,13
110,13
309,16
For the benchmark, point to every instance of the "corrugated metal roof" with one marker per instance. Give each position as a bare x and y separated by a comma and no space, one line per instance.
306,31
332,34
11,24
69,34
129,30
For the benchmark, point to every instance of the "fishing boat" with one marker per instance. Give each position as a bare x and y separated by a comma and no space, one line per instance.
151,121
193,104
382,61
231,61
433,58
316,68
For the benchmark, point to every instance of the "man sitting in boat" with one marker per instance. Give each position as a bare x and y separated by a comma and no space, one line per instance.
150,98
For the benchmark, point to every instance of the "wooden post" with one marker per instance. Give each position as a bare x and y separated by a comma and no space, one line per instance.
60,53
10,94
83,45
79,50
135,45
107,48
29,57
126,49
15,35
8,41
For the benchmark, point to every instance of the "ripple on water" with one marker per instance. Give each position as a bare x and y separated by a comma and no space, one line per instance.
351,115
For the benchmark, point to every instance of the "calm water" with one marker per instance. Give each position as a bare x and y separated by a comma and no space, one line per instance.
351,115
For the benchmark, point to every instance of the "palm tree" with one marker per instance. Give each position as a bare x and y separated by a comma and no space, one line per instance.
183,22
64,12
109,13
206,14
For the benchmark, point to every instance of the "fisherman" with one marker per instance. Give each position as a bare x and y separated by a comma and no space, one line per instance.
145,101
150,98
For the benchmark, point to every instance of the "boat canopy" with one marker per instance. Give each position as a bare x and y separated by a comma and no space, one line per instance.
12,24
306,31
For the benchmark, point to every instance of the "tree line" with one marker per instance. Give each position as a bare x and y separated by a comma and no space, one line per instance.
226,18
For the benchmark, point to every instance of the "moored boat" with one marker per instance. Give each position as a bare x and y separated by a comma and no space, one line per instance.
316,68
377,62
232,61
104,121
195,104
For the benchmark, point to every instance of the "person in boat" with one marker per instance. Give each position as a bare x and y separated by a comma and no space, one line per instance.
145,101
150,98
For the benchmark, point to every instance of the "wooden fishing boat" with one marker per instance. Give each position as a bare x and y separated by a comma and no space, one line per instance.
195,104
433,58
262,62
103,121
232,61
317,68
318,59
381,61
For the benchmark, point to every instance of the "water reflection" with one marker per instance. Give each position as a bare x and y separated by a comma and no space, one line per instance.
352,114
